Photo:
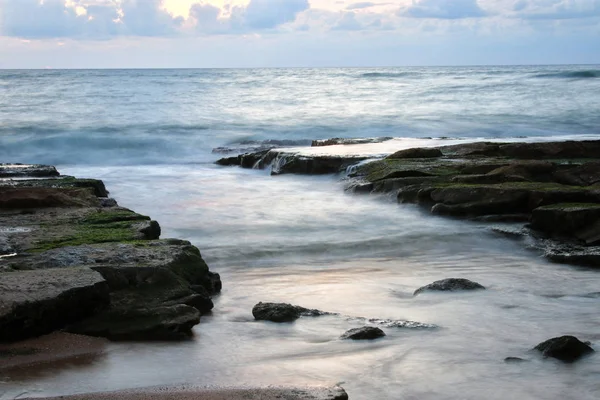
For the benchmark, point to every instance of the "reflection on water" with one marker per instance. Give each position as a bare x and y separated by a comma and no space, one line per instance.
301,240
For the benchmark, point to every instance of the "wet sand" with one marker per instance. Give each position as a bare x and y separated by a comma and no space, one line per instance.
49,349
200,393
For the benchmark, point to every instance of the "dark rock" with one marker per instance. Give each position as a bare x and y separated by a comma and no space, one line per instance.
27,170
564,348
34,303
580,175
288,163
157,323
282,312
514,360
36,197
450,285
108,202
417,153
364,333
579,221
338,141
150,230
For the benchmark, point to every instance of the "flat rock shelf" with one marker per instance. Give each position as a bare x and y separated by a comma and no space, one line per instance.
72,260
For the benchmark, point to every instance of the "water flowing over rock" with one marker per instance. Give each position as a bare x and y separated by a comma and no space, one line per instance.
364,333
450,285
564,348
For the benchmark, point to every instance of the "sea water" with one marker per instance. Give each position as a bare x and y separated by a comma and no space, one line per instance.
149,135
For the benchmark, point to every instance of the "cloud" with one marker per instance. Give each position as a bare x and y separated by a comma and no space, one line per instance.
359,6
147,18
268,14
557,9
348,22
443,9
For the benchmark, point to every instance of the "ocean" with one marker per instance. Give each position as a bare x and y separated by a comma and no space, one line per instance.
150,135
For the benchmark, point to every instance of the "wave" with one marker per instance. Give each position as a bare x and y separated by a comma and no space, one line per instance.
388,74
584,74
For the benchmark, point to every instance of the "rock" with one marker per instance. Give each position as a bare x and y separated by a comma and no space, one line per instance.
579,175
282,312
450,285
579,221
364,333
36,197
564,348
34,303
27,170
289,163
391,323
417,153
514,360
342,141
157,323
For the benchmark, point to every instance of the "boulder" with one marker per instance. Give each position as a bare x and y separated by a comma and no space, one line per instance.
282,312
156,323
34,303
564,348
364,333
417,153
450,285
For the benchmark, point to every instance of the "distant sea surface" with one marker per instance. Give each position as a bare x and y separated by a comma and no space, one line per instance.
149,134
163,116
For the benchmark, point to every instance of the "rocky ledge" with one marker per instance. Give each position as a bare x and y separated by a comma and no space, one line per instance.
71,259
552,188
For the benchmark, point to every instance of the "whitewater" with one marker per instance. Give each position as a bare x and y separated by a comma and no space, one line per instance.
150,135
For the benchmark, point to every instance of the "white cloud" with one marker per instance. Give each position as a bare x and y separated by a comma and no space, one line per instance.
443,9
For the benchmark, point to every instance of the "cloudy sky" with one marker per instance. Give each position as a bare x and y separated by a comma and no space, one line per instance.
274,33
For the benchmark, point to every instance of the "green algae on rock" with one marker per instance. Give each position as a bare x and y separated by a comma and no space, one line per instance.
59,228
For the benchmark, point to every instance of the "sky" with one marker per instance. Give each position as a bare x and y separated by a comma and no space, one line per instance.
296,33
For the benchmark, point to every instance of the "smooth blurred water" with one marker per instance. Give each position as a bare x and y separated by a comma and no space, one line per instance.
299,239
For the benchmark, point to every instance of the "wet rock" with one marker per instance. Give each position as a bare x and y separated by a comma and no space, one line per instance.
579,175
287,163
579,221
34,303
417,153
159,323
347,141
450,285
391,323
364,333
282,312
27,170
564,348
36,197
528,151
514,360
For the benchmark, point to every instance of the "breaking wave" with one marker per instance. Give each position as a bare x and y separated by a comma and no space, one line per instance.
592,73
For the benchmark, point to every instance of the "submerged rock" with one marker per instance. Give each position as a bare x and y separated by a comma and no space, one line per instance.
450,285
564,348
338,141
364,333
514,360
282,312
